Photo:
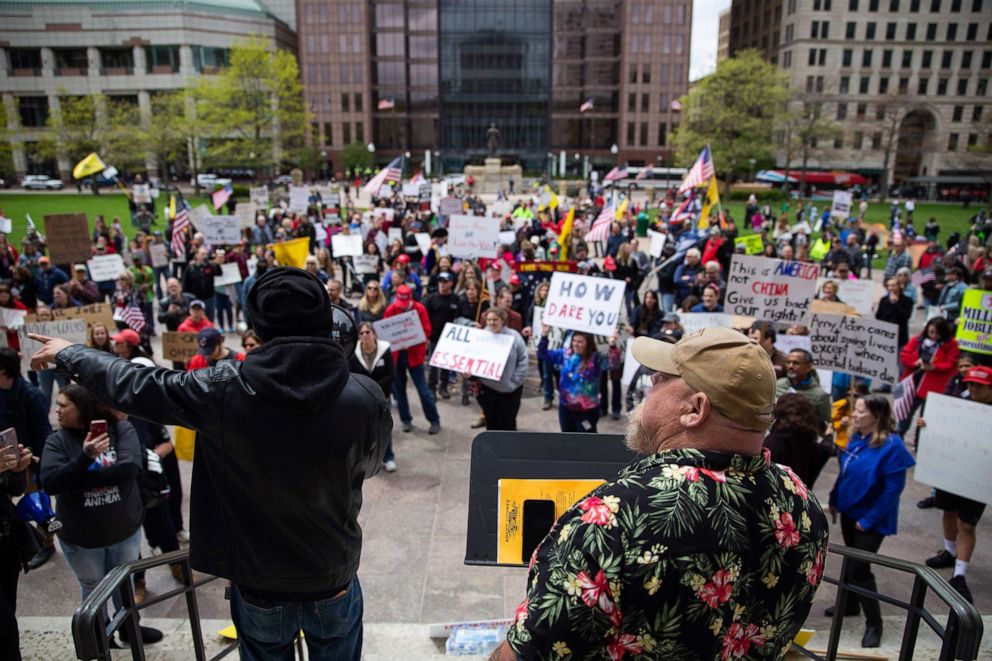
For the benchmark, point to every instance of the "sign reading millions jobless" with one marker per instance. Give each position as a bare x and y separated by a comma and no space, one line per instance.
974,331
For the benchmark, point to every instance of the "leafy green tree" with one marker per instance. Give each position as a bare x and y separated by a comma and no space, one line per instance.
171,129
6,148
356,156
93,123
734,111
251,112
802,128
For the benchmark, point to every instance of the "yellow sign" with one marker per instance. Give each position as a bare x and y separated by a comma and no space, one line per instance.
513,493
292,253
753,244
975,323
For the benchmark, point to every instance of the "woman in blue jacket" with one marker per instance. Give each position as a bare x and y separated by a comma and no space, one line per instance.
872,476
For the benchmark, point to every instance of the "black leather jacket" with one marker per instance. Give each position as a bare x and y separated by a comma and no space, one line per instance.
285,440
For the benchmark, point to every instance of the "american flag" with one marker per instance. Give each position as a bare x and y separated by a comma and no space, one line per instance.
902,398
418,178
683,212
134,318
387,103
618,172
644,173
392,172
700,173
179,226
586,105
600,229
922,276
220,197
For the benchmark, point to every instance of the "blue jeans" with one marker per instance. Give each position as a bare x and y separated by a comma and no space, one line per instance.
667,302
420,383
222,304
332,627
46,382
91,565
547,371
161,272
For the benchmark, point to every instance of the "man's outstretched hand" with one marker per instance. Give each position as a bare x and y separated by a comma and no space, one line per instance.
45,356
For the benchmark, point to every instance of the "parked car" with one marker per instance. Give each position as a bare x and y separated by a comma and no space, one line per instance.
455,179
210,181
283,180
41,182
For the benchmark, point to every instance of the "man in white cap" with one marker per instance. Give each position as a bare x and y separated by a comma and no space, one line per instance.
704,538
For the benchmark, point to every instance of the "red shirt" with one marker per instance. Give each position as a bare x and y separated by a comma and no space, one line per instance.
199,362
190,326
416,354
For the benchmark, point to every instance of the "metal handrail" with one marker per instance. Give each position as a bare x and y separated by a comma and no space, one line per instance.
961,636
91,631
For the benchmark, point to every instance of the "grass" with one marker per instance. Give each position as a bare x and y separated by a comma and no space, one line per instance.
110,204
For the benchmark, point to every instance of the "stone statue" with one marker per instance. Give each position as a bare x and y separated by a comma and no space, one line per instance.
492,139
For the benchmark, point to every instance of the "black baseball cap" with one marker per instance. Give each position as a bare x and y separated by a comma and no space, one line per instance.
209,339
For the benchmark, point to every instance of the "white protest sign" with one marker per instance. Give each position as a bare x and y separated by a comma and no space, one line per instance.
299,198
500,208
862,295
12,317
386,213
346,245
474,351
105,268
472,236
159,255
630,364
770,289
411,190
841,207
259,196
507,237
141,194
395,234
856,345
693,321
584,303
222,230
320,233
657,243
450,206
73,330
787,343
423,241
366,264
402,331
955,452
246,213
199,216
230,275
6,225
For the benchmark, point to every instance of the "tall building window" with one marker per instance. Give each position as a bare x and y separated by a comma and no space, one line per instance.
850,29
946,58
883,85
845,57
887,58
872,5
958,113
941,87
879,112
986,59
982,87
976,6
859,140
645,102
345,102
893,5
631,102
852,5
890,31
927,59
972,139
931,31
955,5
911,32
661,134
976,114
839,142
876,140
812,57
346,132
360,131
935,6
952,142
630,133
358,103
904,85
907,59
863,84
814,29
914,6
644,134
962,86
966,59
841,111
866,58
870,31
952,31
819,84
845,85
921,86
809,84
646,73
328,139
825,30
860,110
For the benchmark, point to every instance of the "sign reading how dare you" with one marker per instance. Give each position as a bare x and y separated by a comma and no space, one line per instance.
584,303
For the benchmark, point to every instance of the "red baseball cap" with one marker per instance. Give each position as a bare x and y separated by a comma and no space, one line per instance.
127,336
980,374
609,263
403,258
404,293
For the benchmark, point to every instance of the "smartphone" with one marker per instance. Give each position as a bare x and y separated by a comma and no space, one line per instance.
8,439
539,516
98,427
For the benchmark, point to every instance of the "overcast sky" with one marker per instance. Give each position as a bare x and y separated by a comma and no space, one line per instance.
705,33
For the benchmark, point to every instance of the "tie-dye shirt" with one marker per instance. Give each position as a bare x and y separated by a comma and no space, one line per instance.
578,387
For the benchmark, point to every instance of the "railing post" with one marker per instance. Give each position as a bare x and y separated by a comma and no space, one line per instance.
840,605
910,633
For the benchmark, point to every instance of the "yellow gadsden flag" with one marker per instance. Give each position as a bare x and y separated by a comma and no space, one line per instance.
565,238
89,165
712,199
292,253
621,210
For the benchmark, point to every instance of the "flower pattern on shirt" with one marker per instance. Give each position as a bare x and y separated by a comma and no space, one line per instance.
687,555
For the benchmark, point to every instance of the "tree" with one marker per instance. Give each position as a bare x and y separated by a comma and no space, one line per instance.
170,131
734,111
890,111
6,148
802,127
252,111
356,156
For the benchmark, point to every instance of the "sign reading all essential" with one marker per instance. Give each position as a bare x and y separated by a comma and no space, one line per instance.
474,351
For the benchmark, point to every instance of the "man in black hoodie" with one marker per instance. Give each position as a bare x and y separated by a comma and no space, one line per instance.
275,497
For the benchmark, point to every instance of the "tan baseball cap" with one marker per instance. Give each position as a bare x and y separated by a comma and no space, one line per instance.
733,370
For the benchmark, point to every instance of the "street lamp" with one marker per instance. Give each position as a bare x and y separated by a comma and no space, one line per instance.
371,148
440,166
323,163
750,172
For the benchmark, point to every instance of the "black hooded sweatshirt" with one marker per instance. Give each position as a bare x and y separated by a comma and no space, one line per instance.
285,440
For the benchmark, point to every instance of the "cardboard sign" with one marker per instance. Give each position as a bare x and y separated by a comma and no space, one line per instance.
100,313
855,345
657,243
12,318
955,452
402,331
584,303
474,351
470,237
395,234
159,255
450,206
299,198
346,245
423,241
693,321
68,237
259,196
105,268
841,207
141,194
862,295
365,264
73,330
246,213
770,289
974,331
222,230
230,275
753,244
179,347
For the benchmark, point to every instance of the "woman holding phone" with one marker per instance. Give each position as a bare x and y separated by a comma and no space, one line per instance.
92,465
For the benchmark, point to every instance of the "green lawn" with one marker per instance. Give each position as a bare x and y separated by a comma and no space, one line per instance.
110,204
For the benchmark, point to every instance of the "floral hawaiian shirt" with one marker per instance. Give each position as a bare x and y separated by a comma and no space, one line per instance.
688,555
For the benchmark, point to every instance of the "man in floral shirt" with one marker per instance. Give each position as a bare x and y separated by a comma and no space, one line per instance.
703,549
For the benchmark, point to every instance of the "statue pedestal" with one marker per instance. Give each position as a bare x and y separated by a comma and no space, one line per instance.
493,175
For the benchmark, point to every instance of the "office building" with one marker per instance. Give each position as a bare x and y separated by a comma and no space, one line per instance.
434,75
128,50
723,37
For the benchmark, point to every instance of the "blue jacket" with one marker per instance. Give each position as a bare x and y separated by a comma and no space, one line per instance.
47,280
950,299
870,482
